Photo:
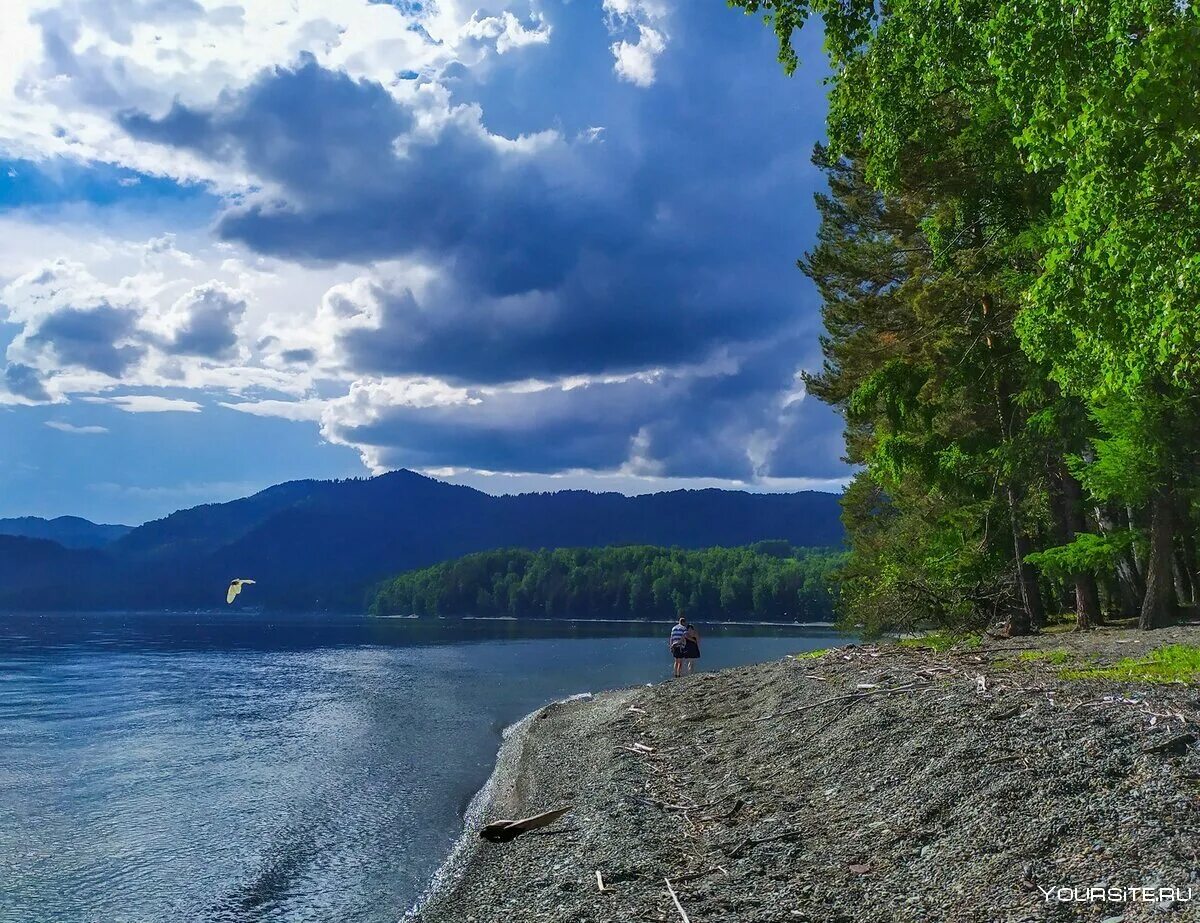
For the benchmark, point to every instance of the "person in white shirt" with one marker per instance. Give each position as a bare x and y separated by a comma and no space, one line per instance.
684,644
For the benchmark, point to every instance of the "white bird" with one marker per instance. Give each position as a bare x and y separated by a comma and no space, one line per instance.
235,587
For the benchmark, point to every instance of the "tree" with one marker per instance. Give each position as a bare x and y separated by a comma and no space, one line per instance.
1035,162
1108,95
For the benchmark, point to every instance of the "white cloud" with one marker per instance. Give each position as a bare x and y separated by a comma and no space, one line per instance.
67,67
634,10
635,61
632,484
190,310
147,403
78,430
298,411
506,31
205,321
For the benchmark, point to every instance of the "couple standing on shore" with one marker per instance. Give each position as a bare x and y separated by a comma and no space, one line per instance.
685,644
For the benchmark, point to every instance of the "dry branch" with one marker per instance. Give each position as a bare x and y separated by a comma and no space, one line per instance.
675,897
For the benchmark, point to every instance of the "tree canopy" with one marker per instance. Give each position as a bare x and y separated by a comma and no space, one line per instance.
1009,263
768,580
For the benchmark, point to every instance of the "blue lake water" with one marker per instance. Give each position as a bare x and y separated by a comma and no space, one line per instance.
233,767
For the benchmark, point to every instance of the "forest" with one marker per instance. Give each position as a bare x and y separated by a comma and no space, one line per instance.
1008,262
768,580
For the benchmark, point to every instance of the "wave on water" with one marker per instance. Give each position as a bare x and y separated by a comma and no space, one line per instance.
452,869
508,760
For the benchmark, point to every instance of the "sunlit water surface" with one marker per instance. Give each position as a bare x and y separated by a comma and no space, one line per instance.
234,767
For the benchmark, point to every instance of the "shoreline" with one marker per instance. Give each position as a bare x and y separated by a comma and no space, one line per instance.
830,626
863,784
247,611
450,872
504,777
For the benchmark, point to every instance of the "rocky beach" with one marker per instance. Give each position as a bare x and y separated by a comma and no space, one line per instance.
983,781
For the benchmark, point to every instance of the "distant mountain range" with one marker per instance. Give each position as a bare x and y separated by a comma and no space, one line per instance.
322,545
68,531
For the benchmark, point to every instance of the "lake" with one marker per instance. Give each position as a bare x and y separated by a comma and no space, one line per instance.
240,767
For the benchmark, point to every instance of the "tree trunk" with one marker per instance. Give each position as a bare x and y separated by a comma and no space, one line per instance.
1087,603
1185,555
1030,616
1157,603
1183,580
1129,578
1087,597
1132,523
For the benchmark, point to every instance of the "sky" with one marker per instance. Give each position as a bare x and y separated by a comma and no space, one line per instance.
518,245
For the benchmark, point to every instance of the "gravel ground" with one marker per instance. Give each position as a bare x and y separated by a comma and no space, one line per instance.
868,784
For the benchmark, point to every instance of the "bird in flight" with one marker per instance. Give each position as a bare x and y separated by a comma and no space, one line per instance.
235,587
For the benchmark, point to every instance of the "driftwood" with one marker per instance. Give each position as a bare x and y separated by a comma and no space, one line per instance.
675,898
755,841
1177,745
502,831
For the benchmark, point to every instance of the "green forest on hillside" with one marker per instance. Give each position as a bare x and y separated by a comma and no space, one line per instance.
768,580
1009,265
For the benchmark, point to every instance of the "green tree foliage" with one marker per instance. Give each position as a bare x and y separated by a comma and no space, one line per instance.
770,580
1009,260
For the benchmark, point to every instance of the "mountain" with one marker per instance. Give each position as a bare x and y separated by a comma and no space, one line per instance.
39,574
317,545
68,531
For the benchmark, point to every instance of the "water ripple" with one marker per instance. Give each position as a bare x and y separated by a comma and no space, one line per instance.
158,768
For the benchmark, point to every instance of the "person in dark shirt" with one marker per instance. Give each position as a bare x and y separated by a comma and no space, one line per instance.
685,645
678,643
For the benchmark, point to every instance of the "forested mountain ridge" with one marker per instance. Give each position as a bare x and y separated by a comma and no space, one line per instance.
768,580
1011,294
68,531
317,545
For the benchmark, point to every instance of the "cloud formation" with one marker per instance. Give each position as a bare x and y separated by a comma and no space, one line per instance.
147,403
636,56
204,322
550,237
77,334
88,430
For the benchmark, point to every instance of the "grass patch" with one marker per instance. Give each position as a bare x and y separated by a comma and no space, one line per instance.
1174,663
1058,657
941,641
813,655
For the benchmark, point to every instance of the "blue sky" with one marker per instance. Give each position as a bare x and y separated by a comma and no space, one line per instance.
522,245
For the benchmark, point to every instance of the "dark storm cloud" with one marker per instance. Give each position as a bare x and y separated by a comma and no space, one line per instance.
545,431
95,338
321,135
599,320
720,424
664,241
207,319
24,381
358,185
810,445
560,256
